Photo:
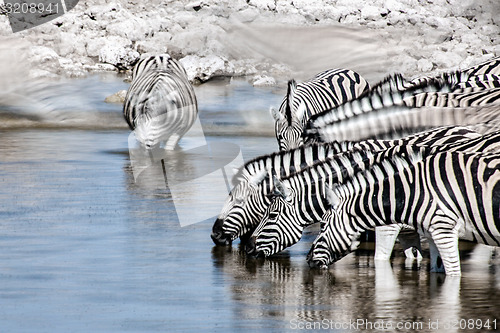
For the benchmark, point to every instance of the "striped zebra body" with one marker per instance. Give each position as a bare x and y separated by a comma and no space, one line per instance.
454,99
248,200
488,67
446,196
376,100
479,82
398,120
297,202
392,106
160,105
326,90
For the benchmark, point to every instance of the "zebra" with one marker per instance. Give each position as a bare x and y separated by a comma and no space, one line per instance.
327,89
446,196
488,67
479,82
454,99
297,200
160,105
356,121
388,93
400,120
248,200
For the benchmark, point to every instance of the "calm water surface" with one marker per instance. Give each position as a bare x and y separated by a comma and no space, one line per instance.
84,247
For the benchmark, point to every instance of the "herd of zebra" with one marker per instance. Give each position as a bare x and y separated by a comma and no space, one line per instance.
421,156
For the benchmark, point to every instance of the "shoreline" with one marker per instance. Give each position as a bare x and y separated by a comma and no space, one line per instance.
266,41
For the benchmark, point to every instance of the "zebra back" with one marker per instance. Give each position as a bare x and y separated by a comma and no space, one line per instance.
160,62
454,98
398,120
160,105
365,106
491,66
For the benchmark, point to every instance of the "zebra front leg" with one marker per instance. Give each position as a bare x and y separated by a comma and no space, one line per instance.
385,237
445,238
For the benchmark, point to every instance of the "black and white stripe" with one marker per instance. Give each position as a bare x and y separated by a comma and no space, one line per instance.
284,220
326,90
160,105
446,196
394,106
248,200
245,205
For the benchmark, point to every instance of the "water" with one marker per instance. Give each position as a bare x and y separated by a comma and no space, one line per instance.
84,247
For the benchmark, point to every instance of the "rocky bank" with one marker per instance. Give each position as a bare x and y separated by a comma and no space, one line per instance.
421,36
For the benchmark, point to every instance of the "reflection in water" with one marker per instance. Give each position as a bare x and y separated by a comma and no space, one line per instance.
356,289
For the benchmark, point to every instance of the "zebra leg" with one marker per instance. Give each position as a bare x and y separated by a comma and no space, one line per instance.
385,237
445,238
172,141
436,261
410,241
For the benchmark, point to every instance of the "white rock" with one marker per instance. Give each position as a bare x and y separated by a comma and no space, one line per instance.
205,68
424,65
263,4
247,15
262,81
118,51
446,60
372,13
118,97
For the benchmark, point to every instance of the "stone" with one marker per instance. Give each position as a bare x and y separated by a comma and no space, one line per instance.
117,98
263,81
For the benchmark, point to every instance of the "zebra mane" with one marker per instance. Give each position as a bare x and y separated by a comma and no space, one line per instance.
256,169
395,158
292,87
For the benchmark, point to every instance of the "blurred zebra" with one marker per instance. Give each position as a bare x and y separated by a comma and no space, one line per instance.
383,96
326,90
299,200
252,184
160,105
446,196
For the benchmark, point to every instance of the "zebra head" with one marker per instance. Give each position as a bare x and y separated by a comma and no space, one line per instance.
336,239
243,209
289,120
281,226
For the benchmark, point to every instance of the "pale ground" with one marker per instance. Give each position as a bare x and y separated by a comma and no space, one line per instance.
266,40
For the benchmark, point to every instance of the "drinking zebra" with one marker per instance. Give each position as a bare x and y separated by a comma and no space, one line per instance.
249,198
446,196
160,105
299,199
324,91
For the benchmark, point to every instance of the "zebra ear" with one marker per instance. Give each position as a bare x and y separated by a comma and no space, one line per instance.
332,196
277,116
280,188
292,86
